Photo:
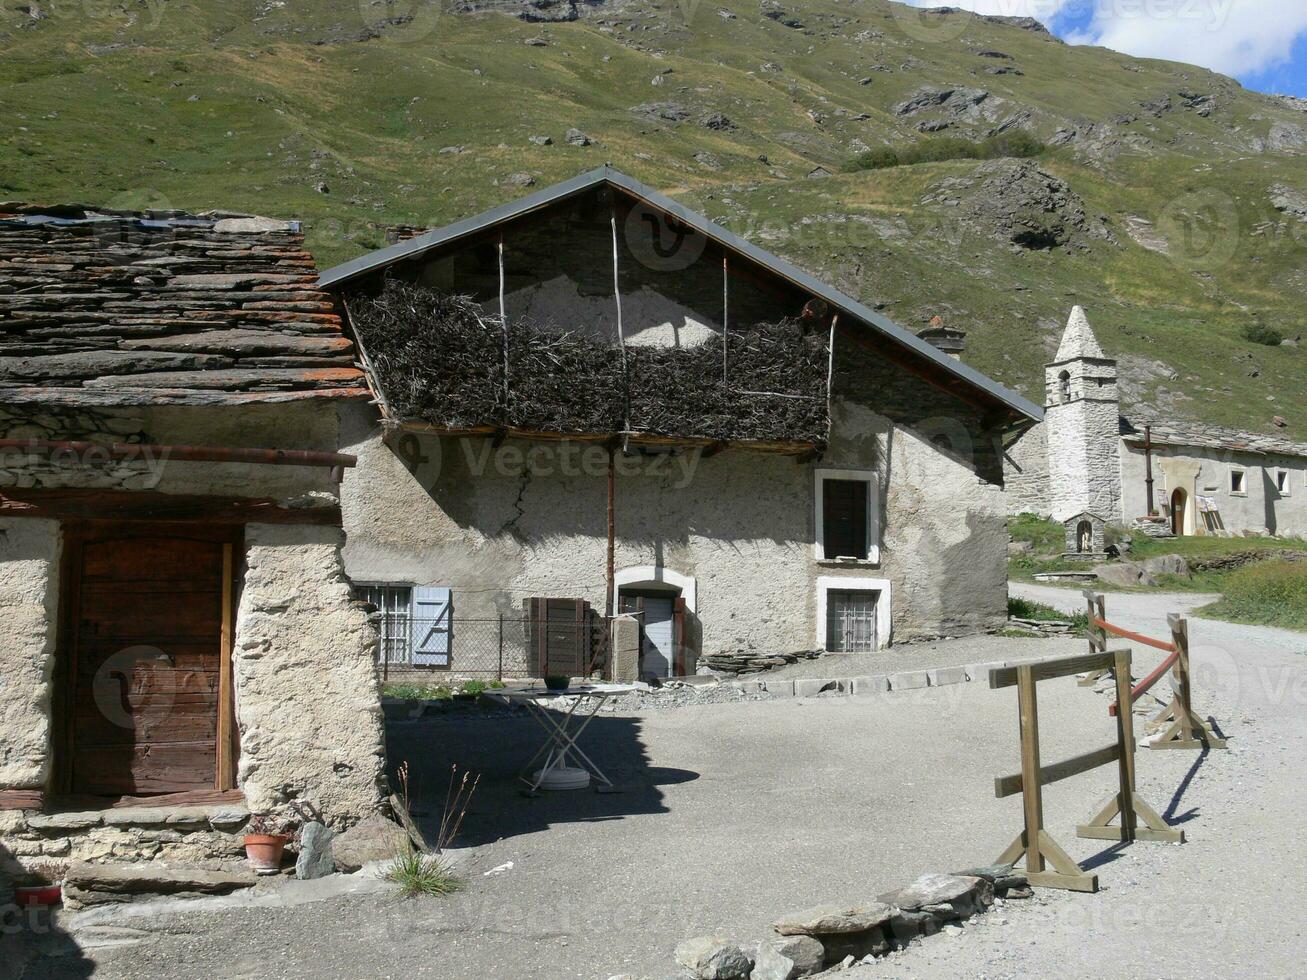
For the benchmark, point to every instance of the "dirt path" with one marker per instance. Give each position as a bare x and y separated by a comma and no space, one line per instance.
1218,905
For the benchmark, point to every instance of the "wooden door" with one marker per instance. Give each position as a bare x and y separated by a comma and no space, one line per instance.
150,621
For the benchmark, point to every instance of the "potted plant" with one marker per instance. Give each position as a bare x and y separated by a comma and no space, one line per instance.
557,682
43,885
266,837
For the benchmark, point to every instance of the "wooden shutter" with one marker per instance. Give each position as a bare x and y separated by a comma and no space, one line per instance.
433,613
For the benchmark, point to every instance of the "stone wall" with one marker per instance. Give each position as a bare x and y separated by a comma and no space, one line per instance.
308,704
29,604
1025,473
1083,469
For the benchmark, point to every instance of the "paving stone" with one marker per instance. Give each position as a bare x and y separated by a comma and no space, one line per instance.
909,680
939,676
806,687
980,672
873,684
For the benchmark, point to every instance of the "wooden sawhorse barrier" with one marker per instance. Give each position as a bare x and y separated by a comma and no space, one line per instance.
1034,841
1185,729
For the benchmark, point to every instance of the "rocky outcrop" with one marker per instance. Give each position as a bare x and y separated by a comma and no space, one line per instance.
1015,202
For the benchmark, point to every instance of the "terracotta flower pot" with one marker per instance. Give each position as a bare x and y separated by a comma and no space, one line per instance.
264,852
38,896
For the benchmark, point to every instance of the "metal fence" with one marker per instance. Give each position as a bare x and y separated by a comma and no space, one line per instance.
500,648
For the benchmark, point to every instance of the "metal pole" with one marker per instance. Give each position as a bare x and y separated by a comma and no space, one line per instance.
1148,465
500,673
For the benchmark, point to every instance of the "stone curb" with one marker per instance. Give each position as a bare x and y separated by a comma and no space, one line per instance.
862,686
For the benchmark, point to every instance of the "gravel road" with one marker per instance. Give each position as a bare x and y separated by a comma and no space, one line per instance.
735,813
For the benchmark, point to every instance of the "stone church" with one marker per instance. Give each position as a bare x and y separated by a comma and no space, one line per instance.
1089,460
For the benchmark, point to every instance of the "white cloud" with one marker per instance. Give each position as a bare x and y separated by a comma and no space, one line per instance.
1043,10
1230,36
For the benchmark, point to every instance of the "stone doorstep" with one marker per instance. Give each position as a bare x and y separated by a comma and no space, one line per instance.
224,818
98,884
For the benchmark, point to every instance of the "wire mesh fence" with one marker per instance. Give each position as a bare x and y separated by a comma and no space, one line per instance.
501,648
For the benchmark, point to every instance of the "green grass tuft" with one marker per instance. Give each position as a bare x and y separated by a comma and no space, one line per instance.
422,874
1272,593
1041,612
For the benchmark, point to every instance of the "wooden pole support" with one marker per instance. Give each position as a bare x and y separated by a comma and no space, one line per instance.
1097,608
1186,729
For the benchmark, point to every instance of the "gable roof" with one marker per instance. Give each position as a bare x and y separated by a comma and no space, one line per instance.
415,247
107,307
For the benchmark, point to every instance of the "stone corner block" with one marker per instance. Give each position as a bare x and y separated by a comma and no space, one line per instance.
909,680
779,687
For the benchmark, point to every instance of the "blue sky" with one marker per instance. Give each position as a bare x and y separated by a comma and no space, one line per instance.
1263,43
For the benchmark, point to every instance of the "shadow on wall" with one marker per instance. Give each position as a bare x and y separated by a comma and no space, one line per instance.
32,945
497,748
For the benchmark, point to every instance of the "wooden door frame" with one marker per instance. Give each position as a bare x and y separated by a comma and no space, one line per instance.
1178,521
75,536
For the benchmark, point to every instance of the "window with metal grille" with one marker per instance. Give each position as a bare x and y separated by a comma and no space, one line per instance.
844,518
395,603
851,621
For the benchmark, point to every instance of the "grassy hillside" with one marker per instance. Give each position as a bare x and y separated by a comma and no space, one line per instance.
1178,200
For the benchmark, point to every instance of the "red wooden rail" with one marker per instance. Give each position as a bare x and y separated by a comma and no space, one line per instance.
1147,683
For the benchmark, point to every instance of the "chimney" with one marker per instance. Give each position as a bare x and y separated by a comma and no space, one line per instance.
950,340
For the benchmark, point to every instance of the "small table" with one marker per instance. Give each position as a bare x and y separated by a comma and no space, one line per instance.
562,729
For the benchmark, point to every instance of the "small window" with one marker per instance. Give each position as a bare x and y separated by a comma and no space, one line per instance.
1238,481
1064,386
1282,482
395,603
851,621
846,515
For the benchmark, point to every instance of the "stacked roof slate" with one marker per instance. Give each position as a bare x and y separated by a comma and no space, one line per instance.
105,308
1184,432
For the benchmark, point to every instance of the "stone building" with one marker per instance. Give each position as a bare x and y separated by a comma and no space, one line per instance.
634,410
1089,456
178,632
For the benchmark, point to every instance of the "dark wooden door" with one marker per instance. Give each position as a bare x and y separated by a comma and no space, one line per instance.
147,654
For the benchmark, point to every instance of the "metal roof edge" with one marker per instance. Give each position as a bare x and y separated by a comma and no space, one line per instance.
606,174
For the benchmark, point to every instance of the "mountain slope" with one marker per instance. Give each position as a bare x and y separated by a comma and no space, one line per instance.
1171,202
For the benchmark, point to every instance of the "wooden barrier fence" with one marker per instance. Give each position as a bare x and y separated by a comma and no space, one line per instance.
1034,841
1184,728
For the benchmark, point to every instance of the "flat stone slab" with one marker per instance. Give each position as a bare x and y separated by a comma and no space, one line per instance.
93,884
909,680
66,821
832,920
779,688
934,889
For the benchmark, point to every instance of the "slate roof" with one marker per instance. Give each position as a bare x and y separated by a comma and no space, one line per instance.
105,307
1184,432
339,276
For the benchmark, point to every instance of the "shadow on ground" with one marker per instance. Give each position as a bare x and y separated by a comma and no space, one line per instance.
32,944
496,747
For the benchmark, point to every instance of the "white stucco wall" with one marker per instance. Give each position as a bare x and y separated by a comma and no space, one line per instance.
1025,473
501,527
